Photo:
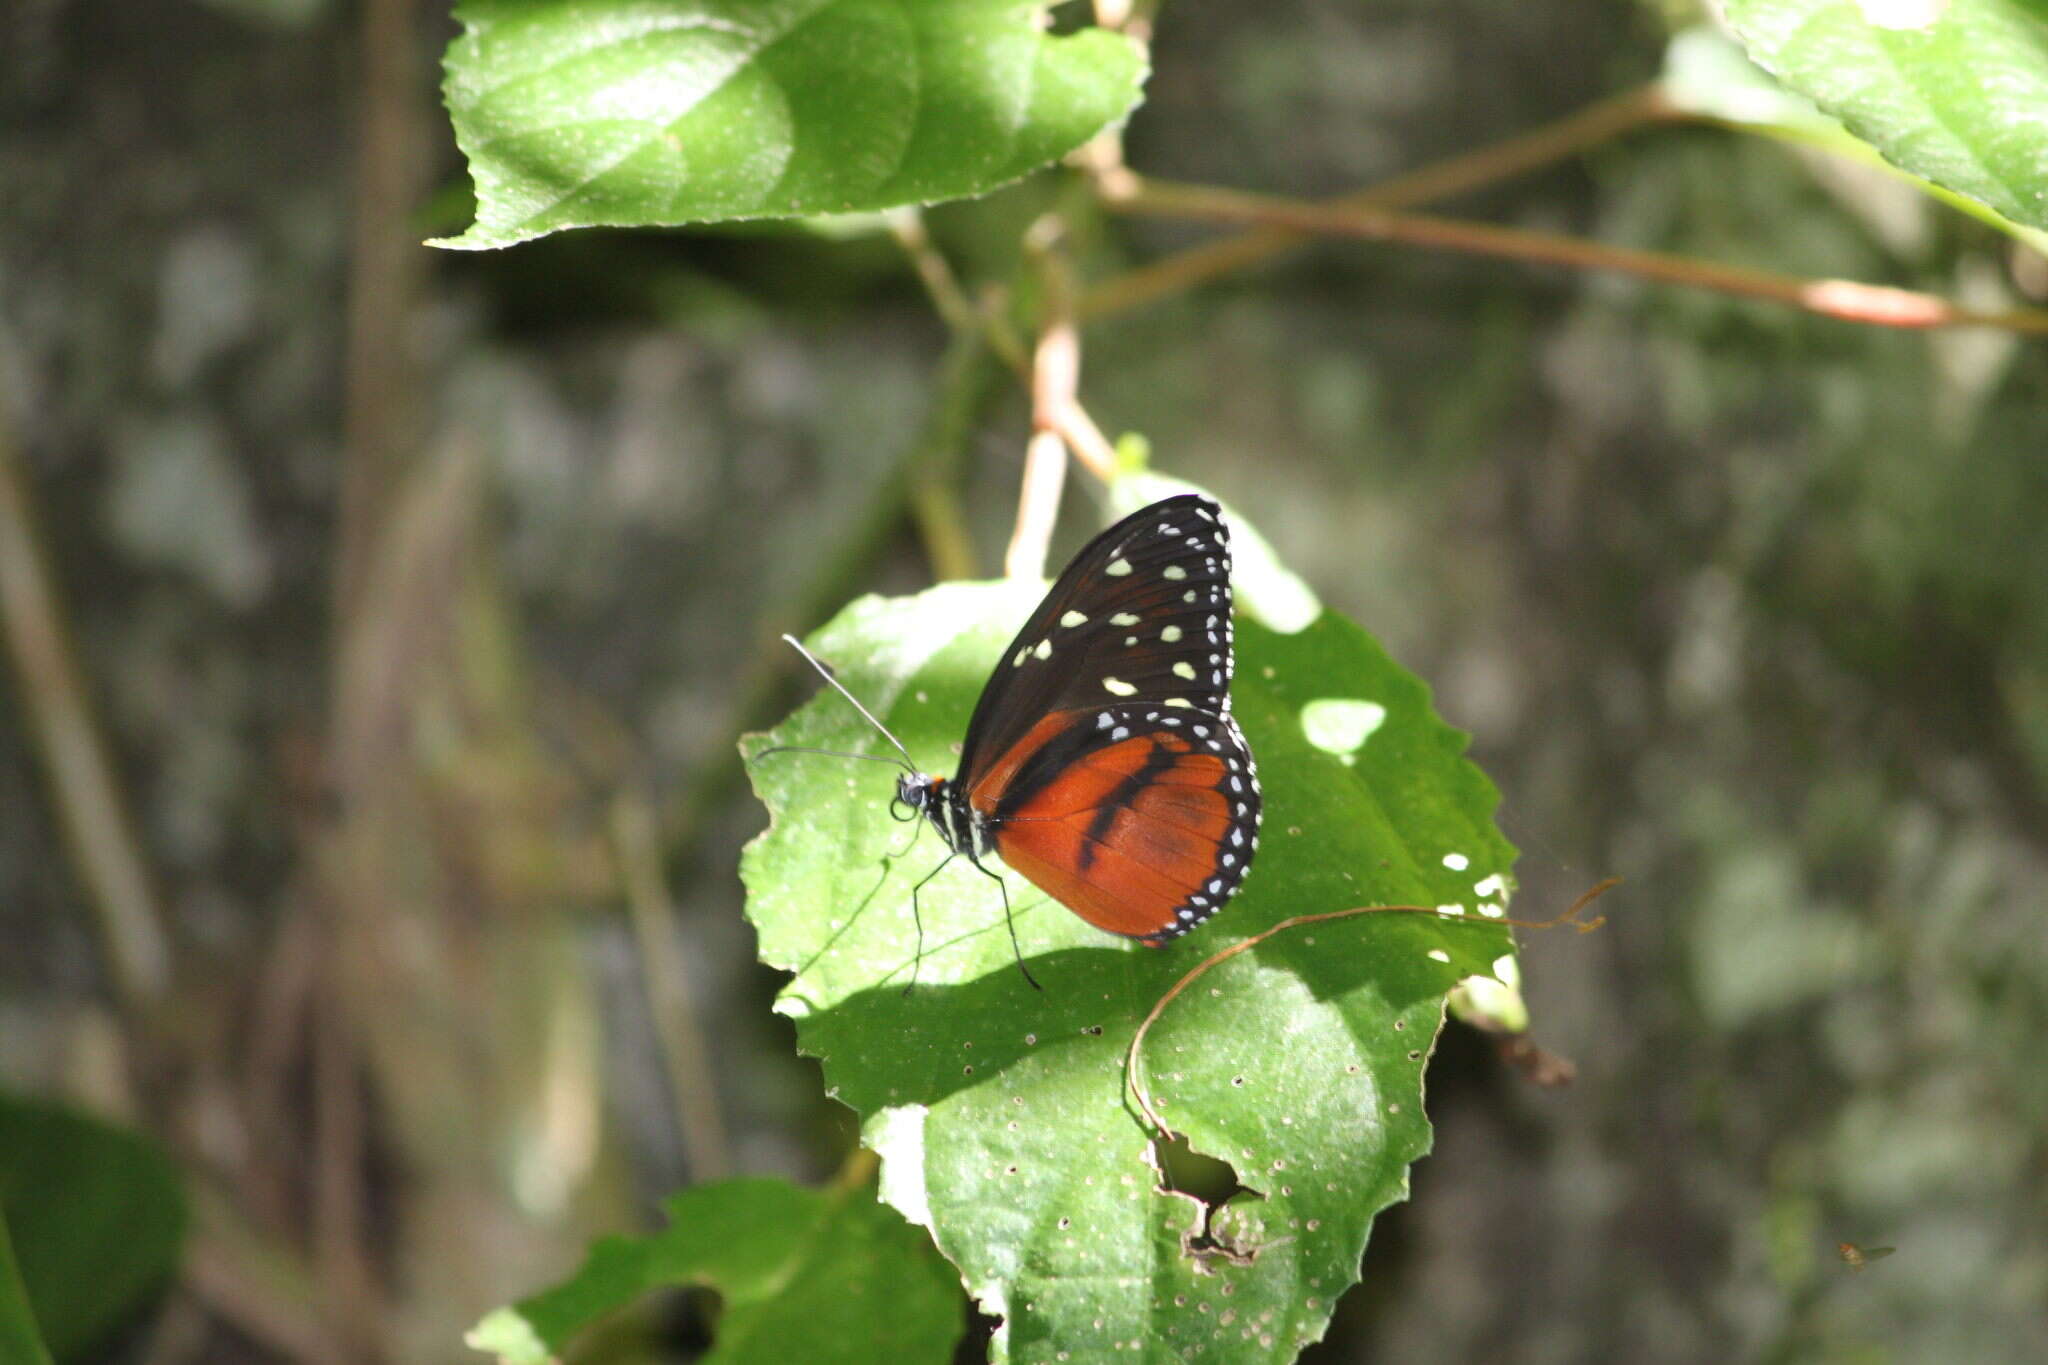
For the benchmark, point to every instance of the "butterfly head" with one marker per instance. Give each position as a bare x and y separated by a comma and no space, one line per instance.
916,794
921,794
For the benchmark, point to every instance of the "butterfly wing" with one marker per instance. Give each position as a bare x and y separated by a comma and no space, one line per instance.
1142,613
1103,755
1145,836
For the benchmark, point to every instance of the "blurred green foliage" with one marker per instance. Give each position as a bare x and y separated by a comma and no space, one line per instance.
96,1215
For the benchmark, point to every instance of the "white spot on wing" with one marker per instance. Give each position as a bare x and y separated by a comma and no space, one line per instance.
1044,650
1072,619
1184,669
1119,686
1175,572
1118,568
1170,634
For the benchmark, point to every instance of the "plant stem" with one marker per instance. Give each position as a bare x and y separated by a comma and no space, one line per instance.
381,398
666,976
1055,378
83,788
943,286
1848,300
1597,123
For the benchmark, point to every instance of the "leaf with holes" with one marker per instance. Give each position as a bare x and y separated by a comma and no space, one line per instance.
999,1111
575,113
1955,91
96,1215
812,1275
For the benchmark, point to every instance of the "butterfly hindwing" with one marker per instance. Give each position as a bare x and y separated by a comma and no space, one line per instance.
1144,829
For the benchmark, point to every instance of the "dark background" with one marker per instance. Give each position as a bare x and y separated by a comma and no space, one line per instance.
403,648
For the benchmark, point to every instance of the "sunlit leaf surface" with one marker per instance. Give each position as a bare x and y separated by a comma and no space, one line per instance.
575,113
1955,91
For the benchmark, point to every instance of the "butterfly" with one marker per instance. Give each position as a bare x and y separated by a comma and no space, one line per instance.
1102,761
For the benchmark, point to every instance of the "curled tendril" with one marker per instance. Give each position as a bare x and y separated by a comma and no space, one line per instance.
1134,1075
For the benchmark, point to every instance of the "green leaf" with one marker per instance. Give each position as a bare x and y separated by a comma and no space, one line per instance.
1953,91
1707,75
97,1215
999,1111
576,113
810,1275
19,1339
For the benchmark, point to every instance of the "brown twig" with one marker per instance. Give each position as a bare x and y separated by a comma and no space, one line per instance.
1055,376
950,300
263,1290
1568,136
933,271
380,402
667,980
83,787
340,1250
1847,300
1059,424
1134,1076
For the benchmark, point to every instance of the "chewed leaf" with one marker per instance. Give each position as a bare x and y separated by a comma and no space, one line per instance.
576,113
999,1111
811,1275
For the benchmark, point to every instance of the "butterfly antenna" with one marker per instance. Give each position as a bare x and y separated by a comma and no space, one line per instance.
826,673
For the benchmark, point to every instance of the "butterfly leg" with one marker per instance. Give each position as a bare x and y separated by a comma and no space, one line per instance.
1008,919
917,918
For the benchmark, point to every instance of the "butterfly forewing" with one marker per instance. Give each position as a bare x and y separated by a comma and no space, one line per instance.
1141,614
1103,755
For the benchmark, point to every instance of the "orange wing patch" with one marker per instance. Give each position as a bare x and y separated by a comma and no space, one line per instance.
1129,837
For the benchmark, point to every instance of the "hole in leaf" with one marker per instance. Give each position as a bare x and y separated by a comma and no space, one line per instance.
1201,1177
1231,1227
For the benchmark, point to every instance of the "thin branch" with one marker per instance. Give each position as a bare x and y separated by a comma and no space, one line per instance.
949,298
381,401
1847,300
341,1251
83,787
1055,376
1038,506
259,1287
934,475
933,270
667,980
1568,136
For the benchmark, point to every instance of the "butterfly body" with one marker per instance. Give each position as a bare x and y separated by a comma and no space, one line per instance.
1102,761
